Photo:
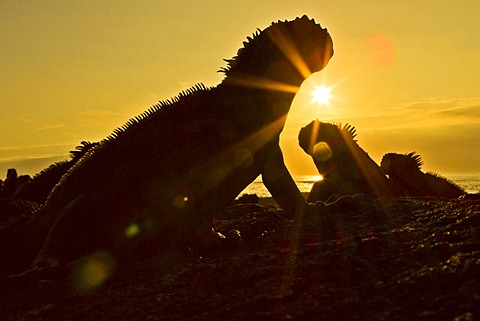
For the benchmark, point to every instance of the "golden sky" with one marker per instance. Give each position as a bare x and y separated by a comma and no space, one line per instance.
406,74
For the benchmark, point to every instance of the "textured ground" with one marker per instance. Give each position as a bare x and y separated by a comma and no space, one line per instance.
403,259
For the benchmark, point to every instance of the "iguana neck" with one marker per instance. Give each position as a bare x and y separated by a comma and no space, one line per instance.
263,101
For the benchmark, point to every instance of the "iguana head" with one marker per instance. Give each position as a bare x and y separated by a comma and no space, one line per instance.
286,52
327,143
319,132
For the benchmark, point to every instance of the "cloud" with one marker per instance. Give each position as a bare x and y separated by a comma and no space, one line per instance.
54,126
26,120
101,112
30,148
29,165
430,113
40,127
33,158
441,107
17,153
97,118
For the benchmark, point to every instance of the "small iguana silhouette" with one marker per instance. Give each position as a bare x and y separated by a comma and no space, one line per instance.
404,170
345,167
10,185
164,174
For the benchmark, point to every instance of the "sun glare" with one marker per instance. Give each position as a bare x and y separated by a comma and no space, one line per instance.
321,95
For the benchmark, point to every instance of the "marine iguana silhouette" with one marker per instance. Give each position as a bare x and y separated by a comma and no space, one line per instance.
404,170
167,171
38,189
345,167
9,186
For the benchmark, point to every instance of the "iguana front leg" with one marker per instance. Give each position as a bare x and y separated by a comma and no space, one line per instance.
280,184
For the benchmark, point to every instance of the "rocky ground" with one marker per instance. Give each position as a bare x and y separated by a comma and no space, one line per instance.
402,259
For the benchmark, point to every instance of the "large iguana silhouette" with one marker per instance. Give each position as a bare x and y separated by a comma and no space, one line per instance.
345,167
159,179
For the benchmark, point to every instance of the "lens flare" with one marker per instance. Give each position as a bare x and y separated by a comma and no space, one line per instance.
322,151
92,271
322,95
132,230
180,201
261,83
382,50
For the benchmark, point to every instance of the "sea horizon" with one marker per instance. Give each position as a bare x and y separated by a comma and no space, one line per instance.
469,182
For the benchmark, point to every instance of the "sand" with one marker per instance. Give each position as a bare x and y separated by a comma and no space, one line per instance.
399,259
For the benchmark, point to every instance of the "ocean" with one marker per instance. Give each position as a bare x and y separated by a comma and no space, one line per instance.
471,183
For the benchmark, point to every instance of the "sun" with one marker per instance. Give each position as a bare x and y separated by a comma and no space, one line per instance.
321,95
